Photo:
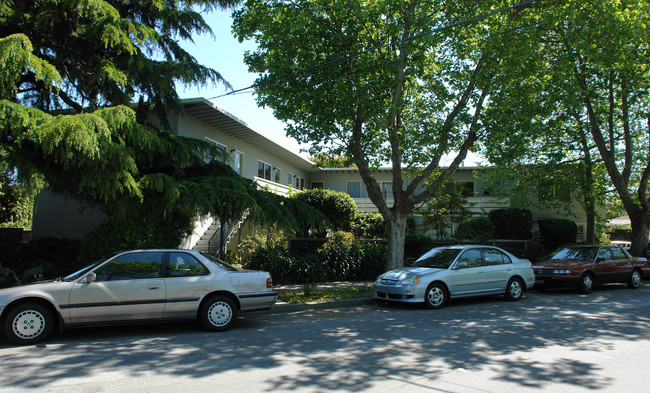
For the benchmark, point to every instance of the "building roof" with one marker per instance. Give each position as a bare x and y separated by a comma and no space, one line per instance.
207,112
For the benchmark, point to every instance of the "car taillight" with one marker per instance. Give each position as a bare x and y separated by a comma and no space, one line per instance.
269,282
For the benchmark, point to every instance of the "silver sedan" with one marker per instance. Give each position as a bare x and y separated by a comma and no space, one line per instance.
456,271
136,286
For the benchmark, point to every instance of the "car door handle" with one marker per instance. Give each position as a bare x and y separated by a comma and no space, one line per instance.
154,287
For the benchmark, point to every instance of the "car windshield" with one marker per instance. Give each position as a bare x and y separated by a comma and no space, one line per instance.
577,253
221,264
438,257
81,272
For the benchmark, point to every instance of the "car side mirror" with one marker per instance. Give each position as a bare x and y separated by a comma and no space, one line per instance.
461,265
90,277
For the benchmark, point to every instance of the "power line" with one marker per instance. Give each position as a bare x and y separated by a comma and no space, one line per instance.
391,44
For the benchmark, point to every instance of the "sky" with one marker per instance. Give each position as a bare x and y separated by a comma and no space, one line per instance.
225,54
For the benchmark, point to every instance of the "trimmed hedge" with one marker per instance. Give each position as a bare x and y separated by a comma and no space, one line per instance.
478,230
557,232
512,223
362,262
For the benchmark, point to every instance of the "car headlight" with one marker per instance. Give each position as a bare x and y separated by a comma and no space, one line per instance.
411,281
378,278
561,271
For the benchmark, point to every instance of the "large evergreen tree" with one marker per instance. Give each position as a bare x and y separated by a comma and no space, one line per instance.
72,70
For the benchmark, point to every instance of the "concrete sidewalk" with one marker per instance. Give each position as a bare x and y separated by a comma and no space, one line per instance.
293,307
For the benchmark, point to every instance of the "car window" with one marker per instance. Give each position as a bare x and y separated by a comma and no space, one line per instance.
181,264
604,254
495,257
438,257
221,264
577,253
619,253
132,266
470,258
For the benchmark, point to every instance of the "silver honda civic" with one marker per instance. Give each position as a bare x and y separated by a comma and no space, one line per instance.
132,287
451,272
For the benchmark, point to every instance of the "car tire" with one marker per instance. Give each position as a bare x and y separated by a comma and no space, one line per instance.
218,313
635,279
436,296
514,289
586,284
29,323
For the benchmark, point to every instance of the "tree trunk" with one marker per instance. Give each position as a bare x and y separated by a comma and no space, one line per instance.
396,240
640,221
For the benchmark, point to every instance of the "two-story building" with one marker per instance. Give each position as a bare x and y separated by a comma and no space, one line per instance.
269,164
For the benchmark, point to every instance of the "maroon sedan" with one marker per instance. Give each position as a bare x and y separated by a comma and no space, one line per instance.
584,266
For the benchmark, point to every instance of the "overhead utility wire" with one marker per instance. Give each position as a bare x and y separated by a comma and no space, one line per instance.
377,48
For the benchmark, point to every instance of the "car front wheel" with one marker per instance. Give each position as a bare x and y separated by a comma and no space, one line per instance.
515,289
635,280
218,313
436,296
29,323
586,283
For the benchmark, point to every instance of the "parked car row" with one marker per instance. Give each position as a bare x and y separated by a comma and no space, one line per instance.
451,272
153,285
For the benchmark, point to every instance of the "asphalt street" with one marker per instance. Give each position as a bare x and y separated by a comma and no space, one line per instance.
547,342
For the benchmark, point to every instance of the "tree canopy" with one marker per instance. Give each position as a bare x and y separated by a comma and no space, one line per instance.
379,82
78,87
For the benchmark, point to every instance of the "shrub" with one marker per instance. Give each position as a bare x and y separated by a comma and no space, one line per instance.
116,235
416,245
557,232
512,223
360,262
368,225
478,230
338,207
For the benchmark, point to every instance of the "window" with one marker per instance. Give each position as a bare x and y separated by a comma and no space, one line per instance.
317,185
604,254
387,190
222,151
132,266
619,253
263,170
470,258
289,179
298,183
277,174
465,188
184,265
357,189
238,162
495,257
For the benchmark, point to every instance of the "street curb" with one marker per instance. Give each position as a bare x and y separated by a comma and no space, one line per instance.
295,307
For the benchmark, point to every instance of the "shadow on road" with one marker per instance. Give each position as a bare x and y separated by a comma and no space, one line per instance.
350,349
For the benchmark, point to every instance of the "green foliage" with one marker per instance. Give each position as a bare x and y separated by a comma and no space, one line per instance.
369,225
128,234
40,259
558,232
361,262
415,245
446,208
338,207
512,223
478,230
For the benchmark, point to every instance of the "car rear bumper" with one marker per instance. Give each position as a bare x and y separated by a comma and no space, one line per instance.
257,301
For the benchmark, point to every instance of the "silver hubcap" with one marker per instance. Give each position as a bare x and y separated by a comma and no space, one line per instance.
28,324
436,296
220,313
636,279
586,282
515,289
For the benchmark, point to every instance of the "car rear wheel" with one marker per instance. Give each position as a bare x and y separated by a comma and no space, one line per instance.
635,279
586,283
515,289
29,323
436,296
218,313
